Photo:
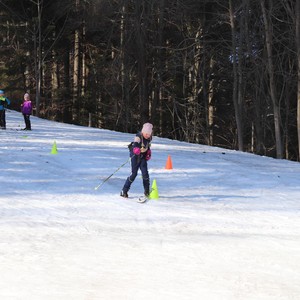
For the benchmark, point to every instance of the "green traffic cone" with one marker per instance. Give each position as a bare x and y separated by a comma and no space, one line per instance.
54,148
154,191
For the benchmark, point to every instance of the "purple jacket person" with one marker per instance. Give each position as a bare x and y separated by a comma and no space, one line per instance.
26,108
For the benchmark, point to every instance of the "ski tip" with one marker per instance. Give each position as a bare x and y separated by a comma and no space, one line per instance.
142,199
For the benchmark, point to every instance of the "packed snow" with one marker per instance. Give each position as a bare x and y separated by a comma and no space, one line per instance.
226,225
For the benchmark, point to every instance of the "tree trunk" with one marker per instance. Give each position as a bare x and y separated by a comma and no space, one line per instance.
39,59
272,83
76,68
55,109
67,115
211,107
125,81
75,75
235,91
298,62
83,64
141,26
157,99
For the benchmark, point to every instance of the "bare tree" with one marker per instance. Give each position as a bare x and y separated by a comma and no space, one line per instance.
236,91
272,83
38,53
141,22
297,24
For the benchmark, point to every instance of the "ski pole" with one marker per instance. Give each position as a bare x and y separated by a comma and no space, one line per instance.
99,185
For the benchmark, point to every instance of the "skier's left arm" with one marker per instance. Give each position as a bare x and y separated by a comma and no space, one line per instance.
148,154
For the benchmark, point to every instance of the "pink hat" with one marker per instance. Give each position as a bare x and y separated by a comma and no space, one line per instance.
147,128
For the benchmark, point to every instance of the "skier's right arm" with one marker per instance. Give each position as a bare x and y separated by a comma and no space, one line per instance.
137,145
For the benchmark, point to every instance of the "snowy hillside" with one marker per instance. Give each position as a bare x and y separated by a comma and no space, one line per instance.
226,225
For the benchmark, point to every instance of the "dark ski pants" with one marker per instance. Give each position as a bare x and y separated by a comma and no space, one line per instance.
2,118
27,121
136,164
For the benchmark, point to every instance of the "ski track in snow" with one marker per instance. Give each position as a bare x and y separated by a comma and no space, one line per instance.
226,225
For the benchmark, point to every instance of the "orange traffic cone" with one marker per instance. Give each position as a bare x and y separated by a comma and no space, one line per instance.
169,165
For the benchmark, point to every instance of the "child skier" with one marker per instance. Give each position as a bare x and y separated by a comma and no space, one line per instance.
3,103
140,153
26,108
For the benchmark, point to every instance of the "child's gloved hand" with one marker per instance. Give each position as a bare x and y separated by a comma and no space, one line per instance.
136,151
148,154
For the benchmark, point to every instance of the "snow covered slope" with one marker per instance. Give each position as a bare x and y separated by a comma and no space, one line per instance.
226,224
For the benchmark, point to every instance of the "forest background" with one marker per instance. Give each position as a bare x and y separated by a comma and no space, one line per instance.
223,73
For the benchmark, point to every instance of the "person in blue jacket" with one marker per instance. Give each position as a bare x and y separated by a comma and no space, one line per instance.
140,153
3,104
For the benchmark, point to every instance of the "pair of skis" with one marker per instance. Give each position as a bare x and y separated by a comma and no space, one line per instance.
142,199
